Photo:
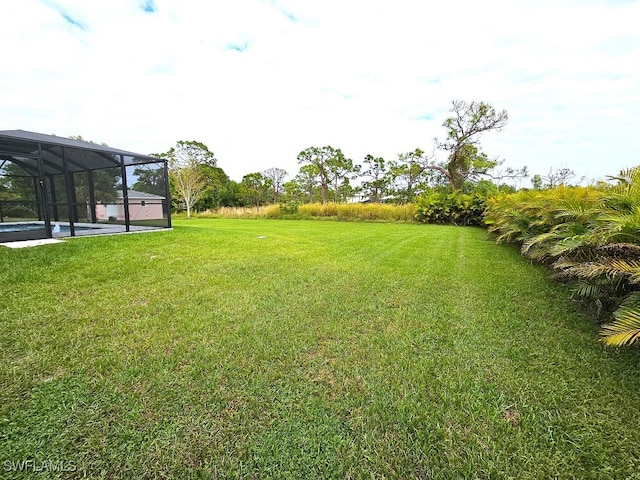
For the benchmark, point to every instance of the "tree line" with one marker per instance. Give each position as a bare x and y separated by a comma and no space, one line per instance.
326,175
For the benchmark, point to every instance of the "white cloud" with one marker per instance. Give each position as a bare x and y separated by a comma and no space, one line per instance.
260,80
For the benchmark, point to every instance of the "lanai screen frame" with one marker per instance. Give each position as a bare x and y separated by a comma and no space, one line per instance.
44,157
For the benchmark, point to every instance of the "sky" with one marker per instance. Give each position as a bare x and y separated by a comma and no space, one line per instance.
258,81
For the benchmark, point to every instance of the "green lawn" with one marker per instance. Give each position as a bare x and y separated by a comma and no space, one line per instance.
325,350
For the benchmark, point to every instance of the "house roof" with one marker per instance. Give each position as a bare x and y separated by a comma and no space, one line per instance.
140,195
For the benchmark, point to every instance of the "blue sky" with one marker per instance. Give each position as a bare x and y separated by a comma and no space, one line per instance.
260,80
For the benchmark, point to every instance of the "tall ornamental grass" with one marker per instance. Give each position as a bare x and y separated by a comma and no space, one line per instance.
336,211
359,211
267,211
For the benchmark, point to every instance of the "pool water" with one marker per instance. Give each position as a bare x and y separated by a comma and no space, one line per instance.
25,227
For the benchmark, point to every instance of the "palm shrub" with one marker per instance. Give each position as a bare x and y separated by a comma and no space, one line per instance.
610,280
591,238
517,217
567,216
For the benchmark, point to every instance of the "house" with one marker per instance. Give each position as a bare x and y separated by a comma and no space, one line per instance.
142,206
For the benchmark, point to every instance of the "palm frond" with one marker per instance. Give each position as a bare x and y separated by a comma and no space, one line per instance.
589,271
586,290
621,250
610,268
535,244
569,245
625,329
630,268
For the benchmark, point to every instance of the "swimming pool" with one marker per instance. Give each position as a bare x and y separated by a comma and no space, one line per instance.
25,227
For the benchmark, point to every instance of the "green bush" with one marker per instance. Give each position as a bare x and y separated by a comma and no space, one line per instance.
450,208
289,208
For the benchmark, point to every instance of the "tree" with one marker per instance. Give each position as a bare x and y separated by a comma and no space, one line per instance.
254,188
464,129
293,192
322,158
276,176
408,174
218,189
231,195
187,153
341,170
536,182
16,183
557,177
465,161
189,185
308,180
377,185
18,189
344,191
188,181
149,179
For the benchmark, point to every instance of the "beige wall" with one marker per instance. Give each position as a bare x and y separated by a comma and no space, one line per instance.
152,210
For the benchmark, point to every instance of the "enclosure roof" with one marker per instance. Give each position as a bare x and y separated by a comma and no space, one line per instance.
67,142
19,146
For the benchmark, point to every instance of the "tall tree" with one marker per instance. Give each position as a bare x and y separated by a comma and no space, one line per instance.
276,176
188,181
536,182
377,183
557,177
321,158
293,192
18,189
464,129
465,161
149,179
341,169
255,188
191,153
408,174
345,190
308,178
189,185
217,191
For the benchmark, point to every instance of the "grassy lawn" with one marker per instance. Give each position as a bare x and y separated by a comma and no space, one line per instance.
324,350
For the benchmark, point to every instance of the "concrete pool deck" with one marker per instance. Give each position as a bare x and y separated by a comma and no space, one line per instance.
92,229
31,243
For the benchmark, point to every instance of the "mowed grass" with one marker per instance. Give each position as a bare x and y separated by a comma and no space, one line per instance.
323,350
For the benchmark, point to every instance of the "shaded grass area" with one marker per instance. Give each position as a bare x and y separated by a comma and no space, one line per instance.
324,350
